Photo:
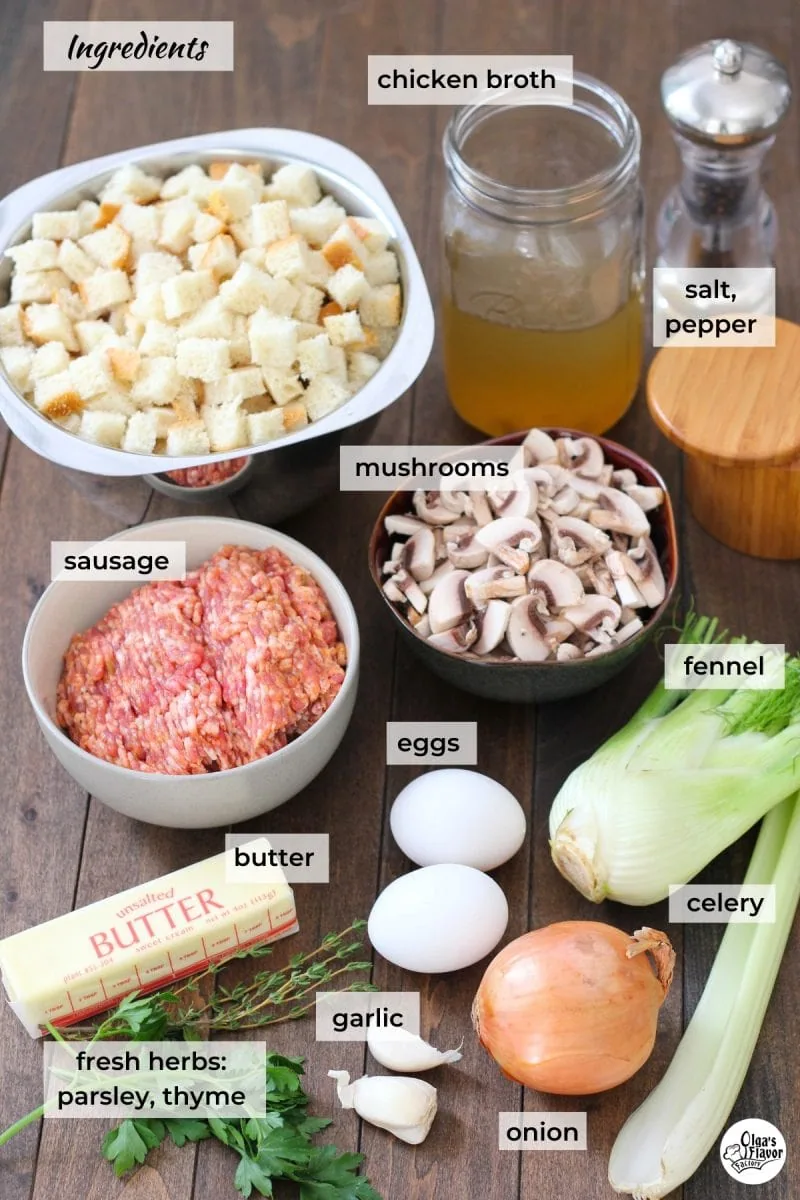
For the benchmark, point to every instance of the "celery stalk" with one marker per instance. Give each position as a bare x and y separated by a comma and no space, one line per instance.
664,1141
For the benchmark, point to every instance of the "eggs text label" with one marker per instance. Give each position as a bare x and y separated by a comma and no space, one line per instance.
451,743
353,1016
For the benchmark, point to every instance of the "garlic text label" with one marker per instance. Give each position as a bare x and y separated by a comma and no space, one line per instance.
691,666
469,79
295,857
352,1016
709,306
452,743
737,904
139,561
542,1130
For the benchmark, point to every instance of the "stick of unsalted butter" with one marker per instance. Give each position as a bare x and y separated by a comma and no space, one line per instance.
86,961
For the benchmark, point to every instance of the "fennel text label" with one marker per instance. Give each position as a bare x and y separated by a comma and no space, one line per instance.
707,306
693,666
542,1130
734,903
354,1016
451,743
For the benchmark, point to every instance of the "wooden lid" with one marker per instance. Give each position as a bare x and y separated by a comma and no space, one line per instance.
731,405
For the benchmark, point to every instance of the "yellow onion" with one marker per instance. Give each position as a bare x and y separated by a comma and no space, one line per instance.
572,1008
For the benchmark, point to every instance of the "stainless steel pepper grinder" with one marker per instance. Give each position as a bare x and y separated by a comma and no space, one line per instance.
724,100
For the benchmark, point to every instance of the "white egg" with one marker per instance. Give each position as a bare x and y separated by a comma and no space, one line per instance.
454,816
438,919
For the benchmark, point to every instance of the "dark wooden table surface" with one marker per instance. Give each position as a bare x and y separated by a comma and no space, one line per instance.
303,64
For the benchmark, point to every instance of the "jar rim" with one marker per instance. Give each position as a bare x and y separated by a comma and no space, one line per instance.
617,117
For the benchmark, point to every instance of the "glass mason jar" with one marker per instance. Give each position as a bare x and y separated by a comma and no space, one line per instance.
544,262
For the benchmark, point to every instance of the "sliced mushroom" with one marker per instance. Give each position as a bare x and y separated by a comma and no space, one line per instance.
600,579
478,508
624,478
491,623
606,475
466,552
627,631
512,540
567,652
565,501
627,591
494,583
584,456
518,500
395,560
576,541
444,568
616,510
596,615
645,570
453,497
556,585
647,498
589,489
449,604
456,640
420,621
401,524
405,583
428,506
532,637
392,592
539,447
419,554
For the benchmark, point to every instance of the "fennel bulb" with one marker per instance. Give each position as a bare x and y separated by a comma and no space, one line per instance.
687,776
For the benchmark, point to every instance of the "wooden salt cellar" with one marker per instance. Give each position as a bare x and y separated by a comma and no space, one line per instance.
735,411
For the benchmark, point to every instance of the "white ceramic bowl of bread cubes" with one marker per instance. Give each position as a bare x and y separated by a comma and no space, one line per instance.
178,304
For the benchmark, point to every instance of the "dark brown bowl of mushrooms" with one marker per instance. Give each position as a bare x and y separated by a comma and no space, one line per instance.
543,588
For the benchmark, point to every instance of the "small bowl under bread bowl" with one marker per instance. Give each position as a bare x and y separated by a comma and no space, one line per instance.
537,682
185,801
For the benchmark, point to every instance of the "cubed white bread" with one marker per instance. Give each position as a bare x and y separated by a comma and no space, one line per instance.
381,306
206,227
318,223
18,361
36,287
230,201
11,331
283,386
344,329
140,221
323,395
344,246
91,374
133,328
185,293
50,359
191,181
319,269
131,183
307,329
75,262
247,290
88,211
148,303
289,258
220,256
242,233
56,225
156,267
314,356
194,255
165,417
108,247
269,222
105,428
185,403
124,363
339,363
177,224
309,302
382,268
105,214
158,339
104,290
207,359
55,395
114,399
49,323
295,183
255,255
157,383
116,319
273,340
347,286
188,437
249,175
72,422
235,387
361,367
70,304
226,426
39,254
377,341
91,334
275,422
212,320
370,231
240,341
142,433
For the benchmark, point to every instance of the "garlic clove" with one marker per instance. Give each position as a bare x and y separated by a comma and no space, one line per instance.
403,1106
400,1050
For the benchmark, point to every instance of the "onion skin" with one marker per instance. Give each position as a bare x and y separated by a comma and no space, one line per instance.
572,1008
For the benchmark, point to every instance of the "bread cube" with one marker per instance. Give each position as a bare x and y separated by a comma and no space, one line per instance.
242,233
157,383
39,254
133,328
338,364
344,329
141,433
104,290
269,222
220,256
381,268
140,222
195,255
240,341
265,426
344,247
255,255
177,224
309,302
207,359
55,395
250,175
148,303
94,333
273,340
131,183
247,290
124,363
230,201
56,225
36,287
11,331
191,181
212,320
226,426
156,267
377,341
48,323
289,258
109,247
75,262
18,361
88,212
70,304
50,359
186,401
115,399
91,374
105,428
361,367
319,269
318,223
294,183
206,227
323,395
371,232
283,386
185,293
347,286
158,339
188,437
314,356
235,387
381,306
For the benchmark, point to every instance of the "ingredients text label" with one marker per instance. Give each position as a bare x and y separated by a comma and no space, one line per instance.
138,45
454,743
